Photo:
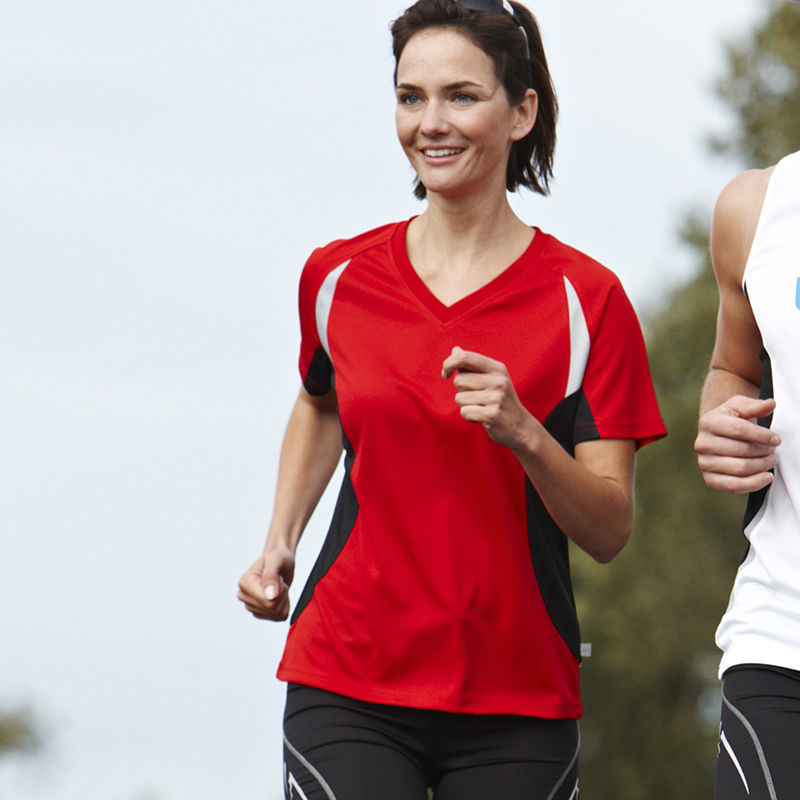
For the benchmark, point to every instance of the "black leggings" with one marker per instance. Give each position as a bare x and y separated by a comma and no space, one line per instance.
337,748
759,743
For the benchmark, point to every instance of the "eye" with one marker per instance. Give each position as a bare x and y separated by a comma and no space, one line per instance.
464,97
407,99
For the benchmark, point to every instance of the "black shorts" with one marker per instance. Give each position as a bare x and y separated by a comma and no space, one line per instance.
759,742
337,748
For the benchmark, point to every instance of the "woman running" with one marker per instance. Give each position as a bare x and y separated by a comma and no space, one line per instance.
490,386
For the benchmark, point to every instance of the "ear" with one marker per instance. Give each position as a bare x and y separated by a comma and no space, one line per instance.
526,116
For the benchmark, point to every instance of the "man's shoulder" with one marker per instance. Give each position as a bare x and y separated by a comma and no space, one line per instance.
736,216
743,197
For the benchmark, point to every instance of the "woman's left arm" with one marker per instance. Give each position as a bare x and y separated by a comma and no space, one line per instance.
590,496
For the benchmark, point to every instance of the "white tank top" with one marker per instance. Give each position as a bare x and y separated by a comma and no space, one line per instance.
762,623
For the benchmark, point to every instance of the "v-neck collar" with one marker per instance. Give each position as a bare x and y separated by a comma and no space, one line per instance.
445,313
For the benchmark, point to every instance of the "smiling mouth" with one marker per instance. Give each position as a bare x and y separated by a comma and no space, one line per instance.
442,152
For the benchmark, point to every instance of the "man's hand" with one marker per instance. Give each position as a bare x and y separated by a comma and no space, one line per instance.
735,453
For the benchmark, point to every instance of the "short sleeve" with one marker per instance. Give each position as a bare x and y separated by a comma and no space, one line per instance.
618,400
316,370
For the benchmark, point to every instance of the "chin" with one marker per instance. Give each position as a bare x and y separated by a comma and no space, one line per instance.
452,191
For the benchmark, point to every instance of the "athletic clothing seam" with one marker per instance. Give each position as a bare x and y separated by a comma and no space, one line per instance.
315,773
762,758
569,768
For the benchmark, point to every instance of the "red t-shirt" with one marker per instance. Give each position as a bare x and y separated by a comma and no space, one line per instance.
443,582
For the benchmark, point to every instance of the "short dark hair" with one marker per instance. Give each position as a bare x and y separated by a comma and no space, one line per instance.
530,162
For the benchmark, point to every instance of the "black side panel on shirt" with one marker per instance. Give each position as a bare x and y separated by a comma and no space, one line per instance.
584,429
344,518
547,544
319,378
756,499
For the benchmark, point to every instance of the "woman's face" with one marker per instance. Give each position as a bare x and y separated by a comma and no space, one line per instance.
453,116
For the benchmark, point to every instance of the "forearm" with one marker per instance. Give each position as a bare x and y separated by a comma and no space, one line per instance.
590,496
720,385
312,446
592,506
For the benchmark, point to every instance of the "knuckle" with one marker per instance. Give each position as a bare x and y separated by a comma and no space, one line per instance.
713,480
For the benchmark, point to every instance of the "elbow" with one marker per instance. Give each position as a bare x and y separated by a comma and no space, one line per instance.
616,533
611,546
607,555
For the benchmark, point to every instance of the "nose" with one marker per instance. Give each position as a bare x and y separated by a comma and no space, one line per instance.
434,122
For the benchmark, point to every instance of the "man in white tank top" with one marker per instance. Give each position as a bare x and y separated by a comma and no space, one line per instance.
749,441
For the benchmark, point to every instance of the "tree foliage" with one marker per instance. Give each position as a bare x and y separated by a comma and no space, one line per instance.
17,733
762,88
650,688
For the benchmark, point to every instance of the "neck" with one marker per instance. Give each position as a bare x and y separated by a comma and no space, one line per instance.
456,246
463,227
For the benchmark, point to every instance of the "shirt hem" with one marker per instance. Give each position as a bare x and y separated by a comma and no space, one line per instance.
426,700
758,655
642,433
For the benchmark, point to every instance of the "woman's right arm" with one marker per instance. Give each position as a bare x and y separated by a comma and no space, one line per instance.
312,446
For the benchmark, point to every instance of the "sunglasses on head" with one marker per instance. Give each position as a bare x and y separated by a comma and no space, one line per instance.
500,7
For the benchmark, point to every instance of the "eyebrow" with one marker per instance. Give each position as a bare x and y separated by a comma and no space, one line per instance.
410,87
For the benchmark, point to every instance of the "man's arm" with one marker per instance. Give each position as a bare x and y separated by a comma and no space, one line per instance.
734,453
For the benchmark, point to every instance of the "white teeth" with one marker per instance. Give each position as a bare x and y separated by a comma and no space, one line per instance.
440,153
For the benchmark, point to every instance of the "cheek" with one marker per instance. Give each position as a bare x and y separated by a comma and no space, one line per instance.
497,139
405,128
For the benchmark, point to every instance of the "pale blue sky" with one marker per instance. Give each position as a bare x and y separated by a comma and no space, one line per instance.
165,168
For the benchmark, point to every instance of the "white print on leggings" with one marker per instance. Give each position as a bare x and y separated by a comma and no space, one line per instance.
762,759
312,771
292,785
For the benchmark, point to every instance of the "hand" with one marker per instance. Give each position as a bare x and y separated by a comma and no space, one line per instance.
487,396
264,588
734,452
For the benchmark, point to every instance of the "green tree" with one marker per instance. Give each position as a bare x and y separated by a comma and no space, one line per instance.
651,691
762,88
17,733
